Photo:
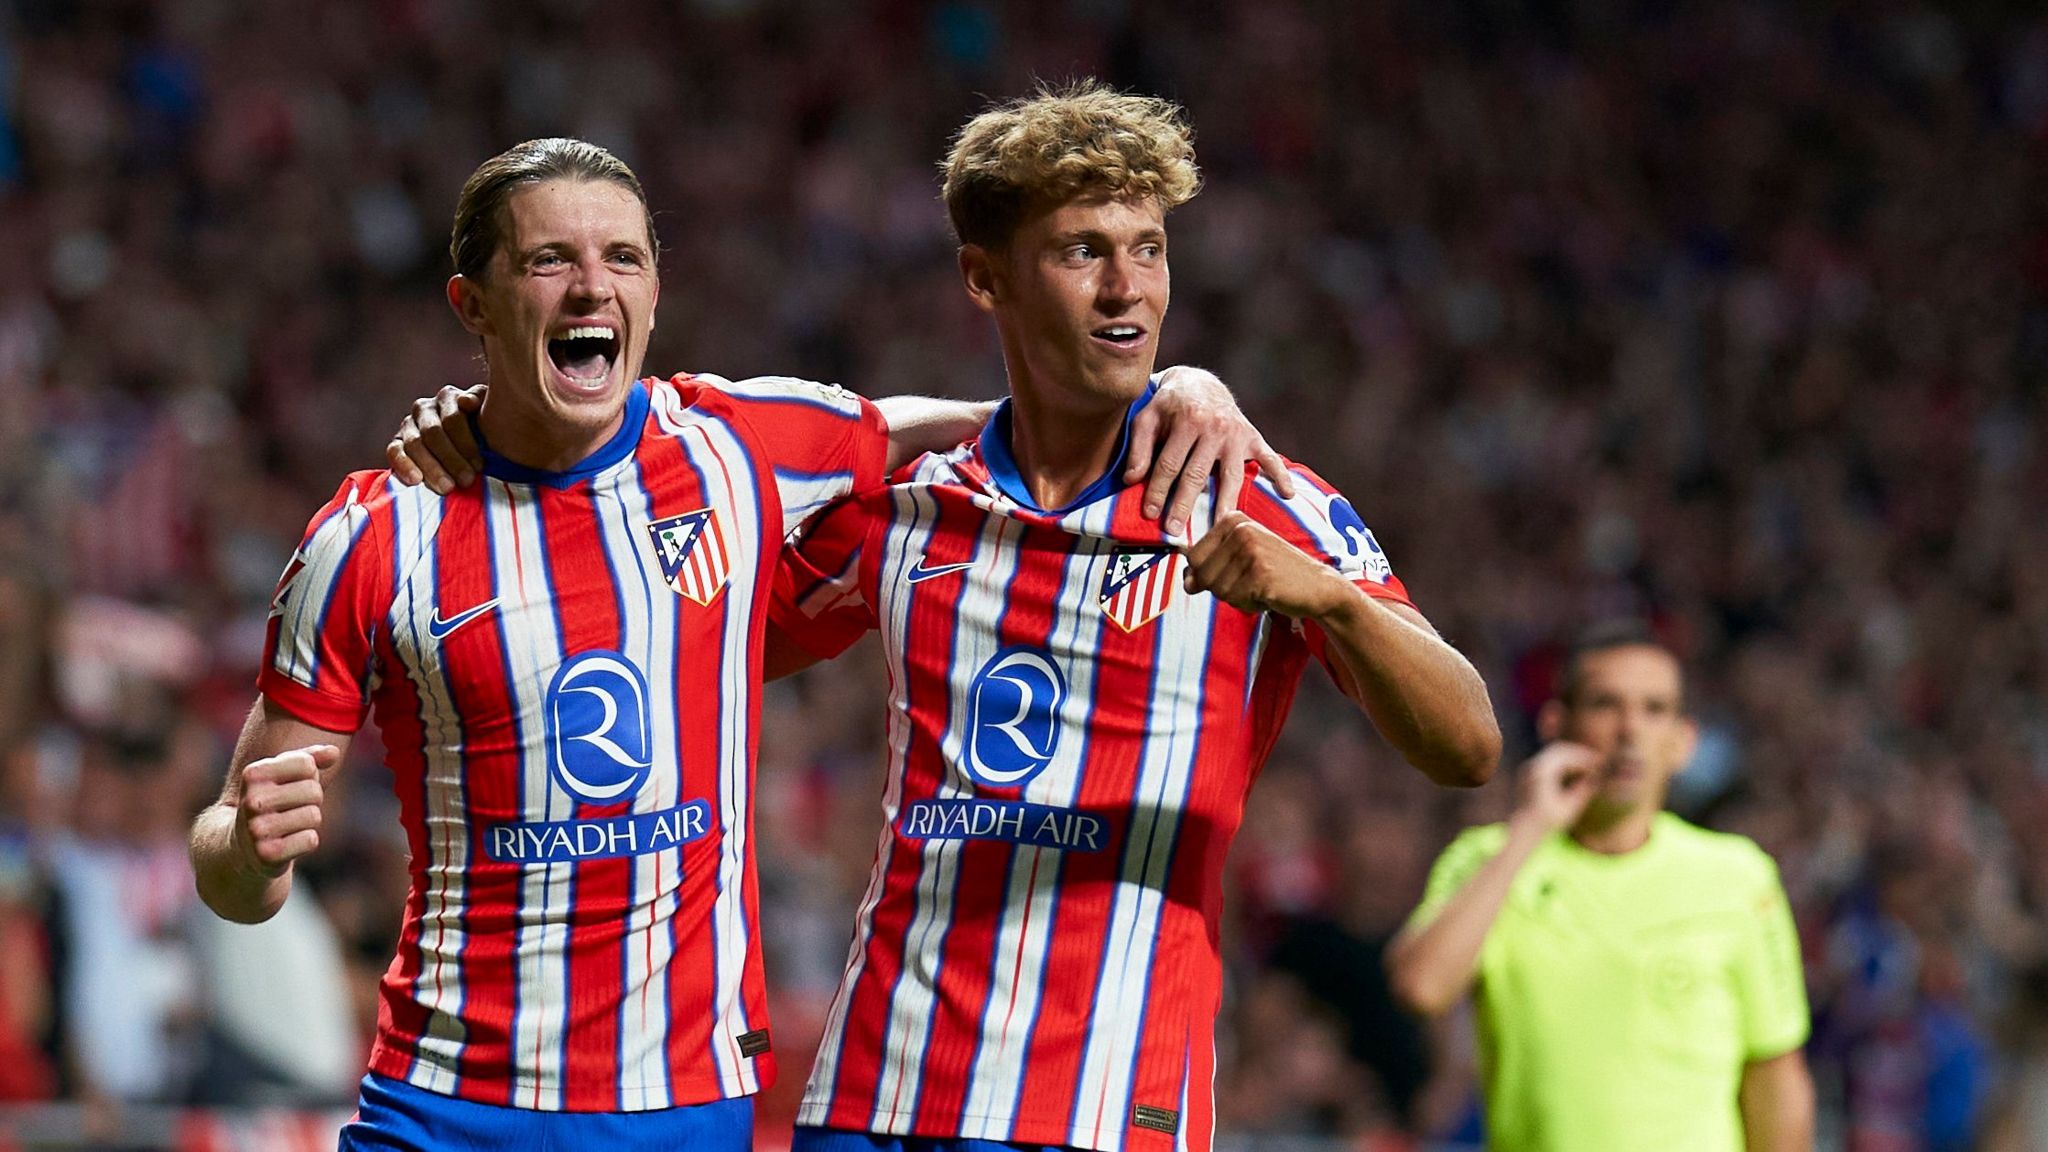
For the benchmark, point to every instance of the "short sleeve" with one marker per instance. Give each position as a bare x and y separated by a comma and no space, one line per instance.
1321,522
1770,982
821,597
323,618
823,441
1454,868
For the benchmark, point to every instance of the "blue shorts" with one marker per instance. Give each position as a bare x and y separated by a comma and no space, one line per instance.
397,1117
838,1140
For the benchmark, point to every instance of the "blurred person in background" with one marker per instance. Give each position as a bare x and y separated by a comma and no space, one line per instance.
565,661
1636,980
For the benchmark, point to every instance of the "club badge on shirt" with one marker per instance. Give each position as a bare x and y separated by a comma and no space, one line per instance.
691,548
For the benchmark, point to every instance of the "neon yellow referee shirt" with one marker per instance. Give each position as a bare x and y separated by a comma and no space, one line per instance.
1619,996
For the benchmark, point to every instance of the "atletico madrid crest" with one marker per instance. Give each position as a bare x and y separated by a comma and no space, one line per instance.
1139,585
691,548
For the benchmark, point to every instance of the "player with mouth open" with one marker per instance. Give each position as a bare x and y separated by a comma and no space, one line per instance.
564,660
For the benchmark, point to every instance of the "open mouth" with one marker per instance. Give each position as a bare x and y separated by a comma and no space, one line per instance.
1120,335
585,353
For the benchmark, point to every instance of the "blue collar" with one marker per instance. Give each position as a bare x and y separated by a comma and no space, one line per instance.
1002,463
609,453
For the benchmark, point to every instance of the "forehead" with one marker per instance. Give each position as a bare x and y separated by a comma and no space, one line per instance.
1100,212
590,211
1633,670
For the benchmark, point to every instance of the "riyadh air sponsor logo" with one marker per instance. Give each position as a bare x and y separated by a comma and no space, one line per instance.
597,728
1138,586
691,548
568,840
440,626
1013,821
1014,717
600,752
922,573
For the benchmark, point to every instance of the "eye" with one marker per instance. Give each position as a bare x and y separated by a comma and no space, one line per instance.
546,260
1151,251
1075,253
628,259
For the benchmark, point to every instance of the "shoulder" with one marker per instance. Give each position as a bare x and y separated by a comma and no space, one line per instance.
1728,856
1318,518
779,390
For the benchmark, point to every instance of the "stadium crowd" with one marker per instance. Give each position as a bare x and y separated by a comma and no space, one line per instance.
1728,316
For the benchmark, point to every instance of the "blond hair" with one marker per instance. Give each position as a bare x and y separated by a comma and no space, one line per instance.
1056,144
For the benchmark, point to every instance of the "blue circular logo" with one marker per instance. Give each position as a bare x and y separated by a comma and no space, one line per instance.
597,725
1014,717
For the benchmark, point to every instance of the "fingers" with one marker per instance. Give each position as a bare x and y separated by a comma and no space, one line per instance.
402,466
454,405
1229,485
1212,558
1166,469
1192,482
435,450
1138,454
1274,467
471,399
412,445
281,808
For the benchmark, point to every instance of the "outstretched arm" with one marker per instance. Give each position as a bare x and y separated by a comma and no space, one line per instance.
1425,698
1431,966
269,814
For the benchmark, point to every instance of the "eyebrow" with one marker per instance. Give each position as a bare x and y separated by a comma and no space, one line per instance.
1094,235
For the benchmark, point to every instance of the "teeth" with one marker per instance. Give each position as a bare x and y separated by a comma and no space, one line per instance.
587,332
1119,332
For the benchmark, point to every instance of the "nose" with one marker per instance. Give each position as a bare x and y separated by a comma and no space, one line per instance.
1119,287
592,284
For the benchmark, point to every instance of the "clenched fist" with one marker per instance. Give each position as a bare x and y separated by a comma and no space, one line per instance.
277,819
1249,566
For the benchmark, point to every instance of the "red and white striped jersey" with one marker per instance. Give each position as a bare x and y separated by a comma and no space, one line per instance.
1071,736
564,668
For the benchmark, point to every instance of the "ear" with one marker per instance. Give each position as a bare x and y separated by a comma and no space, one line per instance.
466,298
1550,721
980,273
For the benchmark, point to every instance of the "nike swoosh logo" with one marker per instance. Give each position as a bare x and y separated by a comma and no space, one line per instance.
439,628
920,574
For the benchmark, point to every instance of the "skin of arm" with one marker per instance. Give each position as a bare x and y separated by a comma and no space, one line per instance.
1777,1104
1425,698
1430,969
268,815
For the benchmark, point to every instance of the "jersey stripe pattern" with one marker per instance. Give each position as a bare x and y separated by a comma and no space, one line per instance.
564,673
1071,736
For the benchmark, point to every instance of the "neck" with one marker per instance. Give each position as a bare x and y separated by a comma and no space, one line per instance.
1614,833
1061,449
529,438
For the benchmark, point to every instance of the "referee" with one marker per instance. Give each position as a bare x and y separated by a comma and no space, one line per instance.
1636,979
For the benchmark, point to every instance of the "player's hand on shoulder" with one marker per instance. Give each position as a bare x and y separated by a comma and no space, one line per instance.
1204,434
1249,566
434,445
279,814
1558,782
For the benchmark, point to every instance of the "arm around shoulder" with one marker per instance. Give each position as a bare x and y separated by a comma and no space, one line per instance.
269,814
